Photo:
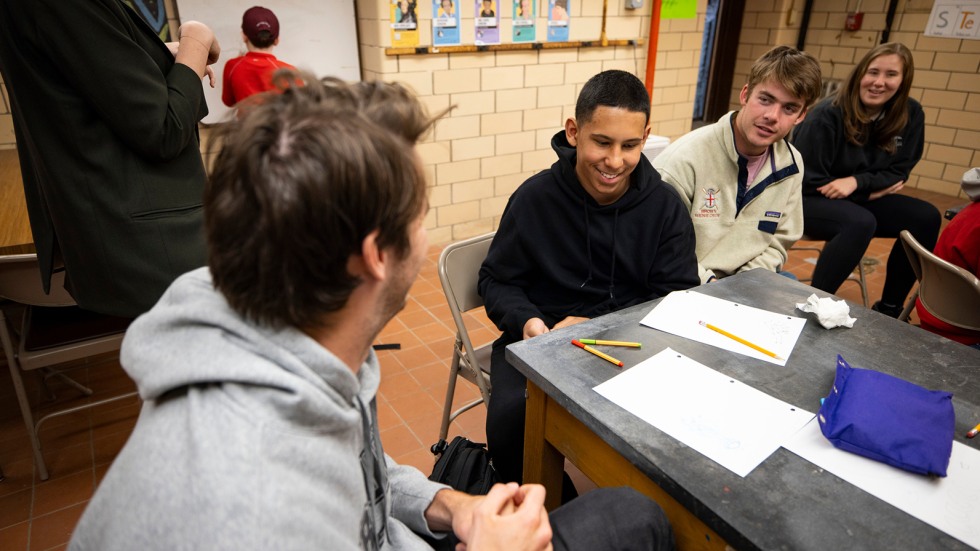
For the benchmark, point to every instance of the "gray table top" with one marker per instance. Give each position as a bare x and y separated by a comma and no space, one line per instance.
786,502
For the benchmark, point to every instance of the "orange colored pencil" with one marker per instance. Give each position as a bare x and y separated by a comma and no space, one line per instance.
604,356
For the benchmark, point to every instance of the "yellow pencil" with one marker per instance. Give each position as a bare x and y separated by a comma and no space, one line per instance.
606,357
611,343
740,339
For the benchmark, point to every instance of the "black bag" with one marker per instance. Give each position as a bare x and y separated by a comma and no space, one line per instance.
464,465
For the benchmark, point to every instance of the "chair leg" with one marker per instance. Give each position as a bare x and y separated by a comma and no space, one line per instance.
907,311
90,405
863,282
48,373
25,411
25,406
450,392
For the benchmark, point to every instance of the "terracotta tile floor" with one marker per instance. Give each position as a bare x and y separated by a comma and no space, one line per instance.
78,448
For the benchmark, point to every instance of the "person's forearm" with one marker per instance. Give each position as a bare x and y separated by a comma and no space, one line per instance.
196,45
439,514
508,307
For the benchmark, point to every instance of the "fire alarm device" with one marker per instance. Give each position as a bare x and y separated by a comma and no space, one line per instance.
854,18
853,21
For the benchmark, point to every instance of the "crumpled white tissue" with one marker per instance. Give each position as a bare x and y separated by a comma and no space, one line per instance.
830,313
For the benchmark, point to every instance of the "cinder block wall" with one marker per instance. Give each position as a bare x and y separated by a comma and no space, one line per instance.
510,103
947,81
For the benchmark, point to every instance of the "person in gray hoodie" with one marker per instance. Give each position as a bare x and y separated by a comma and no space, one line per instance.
259,427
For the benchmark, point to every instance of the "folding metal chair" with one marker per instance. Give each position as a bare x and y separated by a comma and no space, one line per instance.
859,278
459,267
948,292
52,332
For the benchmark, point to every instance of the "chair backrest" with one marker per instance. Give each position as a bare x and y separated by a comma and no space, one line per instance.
459,268
947,291
20,281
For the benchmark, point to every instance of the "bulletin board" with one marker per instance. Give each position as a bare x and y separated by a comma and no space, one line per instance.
315,35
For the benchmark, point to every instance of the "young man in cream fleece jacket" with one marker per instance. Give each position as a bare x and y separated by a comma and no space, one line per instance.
740,177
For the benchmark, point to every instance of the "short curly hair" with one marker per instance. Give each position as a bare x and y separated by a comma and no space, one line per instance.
612,88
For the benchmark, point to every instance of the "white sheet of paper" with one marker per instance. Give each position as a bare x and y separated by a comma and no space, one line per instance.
728,421
951,504
681,313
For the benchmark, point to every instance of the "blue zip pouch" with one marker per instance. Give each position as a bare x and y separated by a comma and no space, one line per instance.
889,419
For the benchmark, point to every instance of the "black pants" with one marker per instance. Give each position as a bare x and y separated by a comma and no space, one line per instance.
505,420
607,519
505,415
848,226
613,519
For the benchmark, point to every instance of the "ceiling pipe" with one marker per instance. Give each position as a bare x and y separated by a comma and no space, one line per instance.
603,41
804,24
652,46
889,17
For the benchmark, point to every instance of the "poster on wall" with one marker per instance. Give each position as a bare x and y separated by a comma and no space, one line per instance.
678,9
525,12
558,17
955,19
404,24
487,22
445,22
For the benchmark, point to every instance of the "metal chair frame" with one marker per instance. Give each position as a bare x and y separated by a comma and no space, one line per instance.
459,267
20,283
948,292
860,278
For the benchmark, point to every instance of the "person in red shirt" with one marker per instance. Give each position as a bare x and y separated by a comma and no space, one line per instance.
959,244
252,73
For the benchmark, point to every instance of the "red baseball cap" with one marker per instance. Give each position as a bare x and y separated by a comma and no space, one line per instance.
257,19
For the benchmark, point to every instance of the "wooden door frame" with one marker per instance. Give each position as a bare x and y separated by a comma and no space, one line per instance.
719,90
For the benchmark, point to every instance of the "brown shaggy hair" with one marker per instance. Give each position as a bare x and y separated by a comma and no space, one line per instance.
303,175
798,72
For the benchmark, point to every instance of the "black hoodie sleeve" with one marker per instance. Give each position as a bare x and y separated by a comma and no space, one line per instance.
818,139
827,155
676,265
504,274
896,168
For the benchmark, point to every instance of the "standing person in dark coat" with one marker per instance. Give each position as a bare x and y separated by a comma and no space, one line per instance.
106,117
597,232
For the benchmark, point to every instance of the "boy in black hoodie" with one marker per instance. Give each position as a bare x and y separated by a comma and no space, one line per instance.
597,232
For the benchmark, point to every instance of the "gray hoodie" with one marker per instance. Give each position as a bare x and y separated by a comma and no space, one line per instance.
249,438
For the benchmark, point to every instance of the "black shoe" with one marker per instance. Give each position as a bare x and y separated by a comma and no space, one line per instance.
887,309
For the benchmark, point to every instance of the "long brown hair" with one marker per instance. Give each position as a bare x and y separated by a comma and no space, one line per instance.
895,113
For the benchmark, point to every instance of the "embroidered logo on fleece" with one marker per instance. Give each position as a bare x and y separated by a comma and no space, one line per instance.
709,208
773,214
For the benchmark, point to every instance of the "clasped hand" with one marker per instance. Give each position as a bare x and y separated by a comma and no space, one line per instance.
508,518
842,188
